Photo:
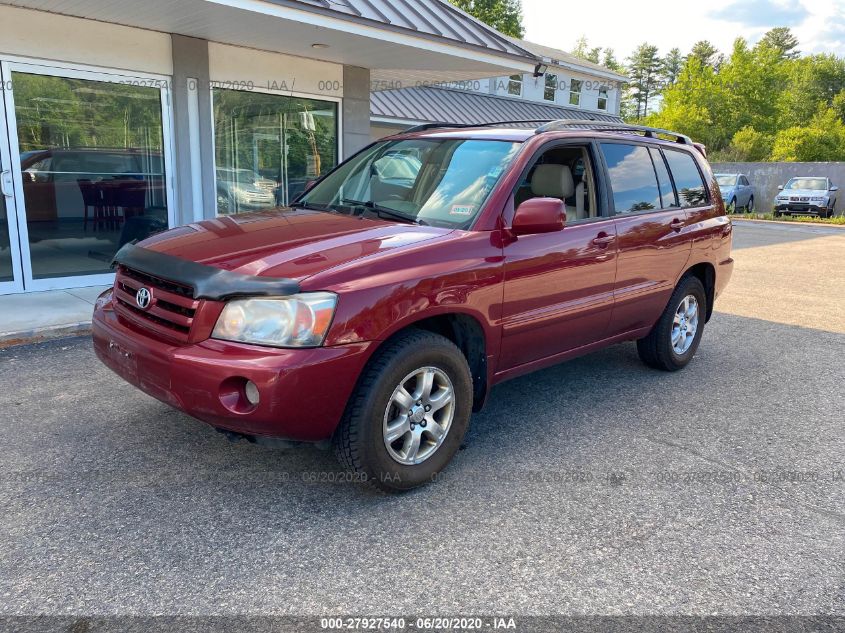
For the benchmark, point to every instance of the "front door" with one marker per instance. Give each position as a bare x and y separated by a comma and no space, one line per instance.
558,288
89,153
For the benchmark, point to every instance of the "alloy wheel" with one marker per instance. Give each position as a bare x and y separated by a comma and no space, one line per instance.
685,325
418,415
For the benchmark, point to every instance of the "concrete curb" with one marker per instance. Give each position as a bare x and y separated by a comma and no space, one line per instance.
27,337
787,223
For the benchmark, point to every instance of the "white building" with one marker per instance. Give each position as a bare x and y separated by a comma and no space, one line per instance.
569,88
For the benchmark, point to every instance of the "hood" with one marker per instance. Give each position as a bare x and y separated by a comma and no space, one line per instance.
286,242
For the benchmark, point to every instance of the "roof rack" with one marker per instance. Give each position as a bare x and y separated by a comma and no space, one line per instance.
609,126
430,126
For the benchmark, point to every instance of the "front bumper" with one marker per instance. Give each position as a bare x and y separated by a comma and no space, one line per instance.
303,392
807,208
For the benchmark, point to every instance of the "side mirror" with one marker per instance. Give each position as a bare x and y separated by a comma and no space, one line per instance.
539,215
834,188
780,187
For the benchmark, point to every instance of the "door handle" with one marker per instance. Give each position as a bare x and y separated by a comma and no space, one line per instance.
604,240
676,225
6,183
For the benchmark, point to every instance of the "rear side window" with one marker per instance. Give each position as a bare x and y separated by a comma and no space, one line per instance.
667,193
632,178
688,181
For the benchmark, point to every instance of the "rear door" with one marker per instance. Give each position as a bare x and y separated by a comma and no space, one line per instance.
652,227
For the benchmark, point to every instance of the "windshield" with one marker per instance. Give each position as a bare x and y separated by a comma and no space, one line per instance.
726,180
439,182
807,183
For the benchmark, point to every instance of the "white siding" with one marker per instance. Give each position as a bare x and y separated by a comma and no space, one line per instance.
533,89
274,71
59,38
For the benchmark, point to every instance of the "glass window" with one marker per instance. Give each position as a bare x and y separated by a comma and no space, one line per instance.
93,169
632,178
515,85
667,193
5,242
688,181
550,87
807,183
269,147
602,102
575,92
726,180
440,182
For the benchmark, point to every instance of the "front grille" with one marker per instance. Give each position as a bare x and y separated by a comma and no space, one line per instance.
170,313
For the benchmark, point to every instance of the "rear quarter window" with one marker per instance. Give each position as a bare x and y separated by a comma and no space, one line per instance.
688,181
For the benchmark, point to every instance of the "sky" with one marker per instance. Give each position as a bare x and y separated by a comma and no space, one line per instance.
621,25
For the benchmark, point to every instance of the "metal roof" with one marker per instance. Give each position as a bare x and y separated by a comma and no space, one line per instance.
442,105
433,18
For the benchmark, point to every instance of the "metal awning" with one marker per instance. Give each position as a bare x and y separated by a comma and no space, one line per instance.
412,106
405,41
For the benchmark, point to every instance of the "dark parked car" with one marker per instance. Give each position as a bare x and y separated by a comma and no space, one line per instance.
807,195
378,311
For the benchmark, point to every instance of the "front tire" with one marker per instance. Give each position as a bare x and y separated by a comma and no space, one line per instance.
409,412
732,206
674,339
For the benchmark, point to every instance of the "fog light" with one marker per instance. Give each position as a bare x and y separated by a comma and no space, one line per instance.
251,392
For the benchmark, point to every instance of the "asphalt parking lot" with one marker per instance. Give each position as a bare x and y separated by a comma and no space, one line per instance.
595,487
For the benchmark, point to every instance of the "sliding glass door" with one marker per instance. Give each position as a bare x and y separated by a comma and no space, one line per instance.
11,276
90,159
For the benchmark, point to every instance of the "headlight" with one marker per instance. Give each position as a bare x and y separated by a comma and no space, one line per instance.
296,321
817,198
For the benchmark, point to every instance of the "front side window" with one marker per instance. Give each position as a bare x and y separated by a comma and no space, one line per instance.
515,85
575,92
602,102
438,182
688,181
550,87
632,178
268,147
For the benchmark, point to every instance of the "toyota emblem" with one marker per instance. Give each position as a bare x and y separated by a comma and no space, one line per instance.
143,298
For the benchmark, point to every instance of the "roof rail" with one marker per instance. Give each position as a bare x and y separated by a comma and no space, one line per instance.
609,126
429,126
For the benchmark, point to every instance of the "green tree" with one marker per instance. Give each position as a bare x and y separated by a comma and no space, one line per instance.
783,41
749,145
809,82
644,69
503,15
822,140
584,51
671,66
707,54
610,62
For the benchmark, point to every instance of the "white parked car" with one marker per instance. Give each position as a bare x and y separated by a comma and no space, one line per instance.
807,195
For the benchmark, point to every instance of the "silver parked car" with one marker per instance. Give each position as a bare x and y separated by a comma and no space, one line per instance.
807,195
737,192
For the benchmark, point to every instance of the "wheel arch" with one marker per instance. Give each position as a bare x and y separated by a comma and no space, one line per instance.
467,332
706,273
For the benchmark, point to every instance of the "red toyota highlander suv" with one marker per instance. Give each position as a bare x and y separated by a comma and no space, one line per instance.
378,310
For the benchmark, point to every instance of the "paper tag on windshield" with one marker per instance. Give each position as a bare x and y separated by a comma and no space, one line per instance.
460,209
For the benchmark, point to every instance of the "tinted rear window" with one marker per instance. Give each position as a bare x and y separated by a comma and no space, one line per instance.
688,181
632,178
667,194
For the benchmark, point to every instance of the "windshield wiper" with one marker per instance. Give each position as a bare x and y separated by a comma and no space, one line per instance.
379,210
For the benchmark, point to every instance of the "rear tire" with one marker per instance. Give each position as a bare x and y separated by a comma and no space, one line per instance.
417,390
750,206
674,339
